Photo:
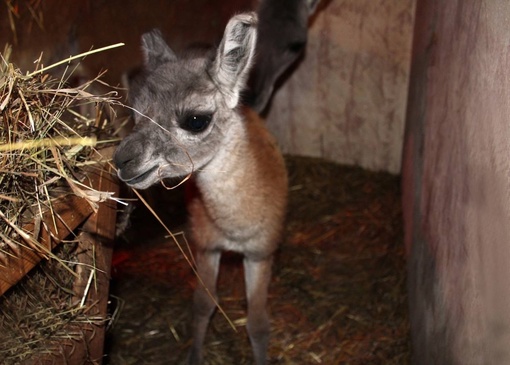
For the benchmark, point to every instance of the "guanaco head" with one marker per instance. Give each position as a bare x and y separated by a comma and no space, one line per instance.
184,107
283,33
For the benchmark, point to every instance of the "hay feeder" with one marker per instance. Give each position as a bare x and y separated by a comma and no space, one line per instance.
57,217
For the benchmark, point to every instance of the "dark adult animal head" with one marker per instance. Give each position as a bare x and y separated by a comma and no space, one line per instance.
282,37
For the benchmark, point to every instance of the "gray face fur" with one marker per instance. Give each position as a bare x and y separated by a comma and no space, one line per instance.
184,107
283,31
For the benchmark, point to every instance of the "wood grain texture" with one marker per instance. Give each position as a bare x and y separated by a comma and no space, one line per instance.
346,100
96,247
70,211
59,28
456,183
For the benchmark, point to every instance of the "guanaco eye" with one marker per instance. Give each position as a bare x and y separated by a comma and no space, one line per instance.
196,123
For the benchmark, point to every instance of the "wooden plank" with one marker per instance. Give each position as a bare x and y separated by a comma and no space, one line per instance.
96,247
70,211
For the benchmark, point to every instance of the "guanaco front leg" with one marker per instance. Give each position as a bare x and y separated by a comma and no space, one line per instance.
257,274
208,263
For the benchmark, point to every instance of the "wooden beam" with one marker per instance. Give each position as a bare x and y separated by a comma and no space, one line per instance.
70,211
96,247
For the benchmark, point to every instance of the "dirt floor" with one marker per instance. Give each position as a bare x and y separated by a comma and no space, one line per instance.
338,294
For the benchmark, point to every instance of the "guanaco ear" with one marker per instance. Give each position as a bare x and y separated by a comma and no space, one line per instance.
312,6
155,49
234,56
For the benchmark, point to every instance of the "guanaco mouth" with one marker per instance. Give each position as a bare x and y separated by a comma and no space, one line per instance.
141,177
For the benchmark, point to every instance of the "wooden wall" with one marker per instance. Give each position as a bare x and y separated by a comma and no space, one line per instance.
346,100
456,181
60,28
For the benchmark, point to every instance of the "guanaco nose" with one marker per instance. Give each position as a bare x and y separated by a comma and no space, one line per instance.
124,155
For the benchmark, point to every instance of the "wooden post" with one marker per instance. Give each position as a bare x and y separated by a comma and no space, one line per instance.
92,286
456,184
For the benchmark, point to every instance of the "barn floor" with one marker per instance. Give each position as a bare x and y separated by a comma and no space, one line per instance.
338,294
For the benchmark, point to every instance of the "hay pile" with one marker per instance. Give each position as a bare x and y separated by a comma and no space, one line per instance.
338,294
45,138
48,129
